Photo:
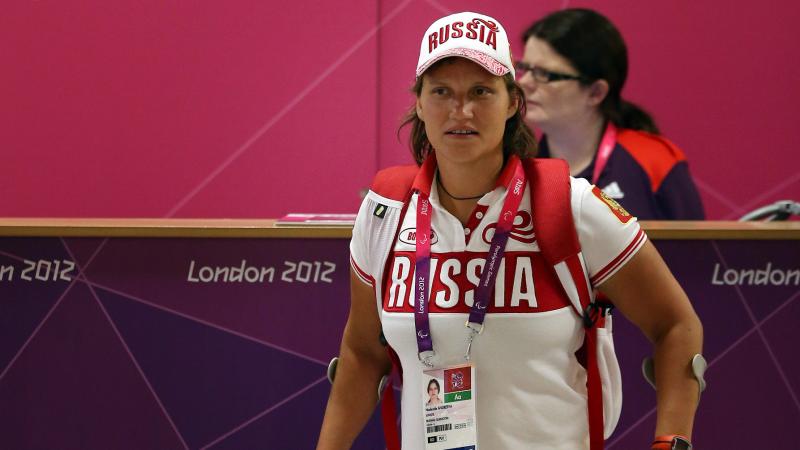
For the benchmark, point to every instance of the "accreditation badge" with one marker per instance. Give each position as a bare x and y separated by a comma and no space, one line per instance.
449,408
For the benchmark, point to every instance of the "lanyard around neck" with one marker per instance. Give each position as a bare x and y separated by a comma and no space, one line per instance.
604,150
515,192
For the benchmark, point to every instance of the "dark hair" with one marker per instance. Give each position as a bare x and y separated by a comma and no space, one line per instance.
433,381
518,139
594,46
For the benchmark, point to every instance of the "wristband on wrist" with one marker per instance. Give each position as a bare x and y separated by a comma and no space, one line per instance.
671,442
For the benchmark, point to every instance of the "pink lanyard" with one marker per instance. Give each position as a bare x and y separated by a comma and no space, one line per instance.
496,250
607,144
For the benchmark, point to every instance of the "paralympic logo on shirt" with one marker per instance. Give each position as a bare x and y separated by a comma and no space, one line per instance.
521,230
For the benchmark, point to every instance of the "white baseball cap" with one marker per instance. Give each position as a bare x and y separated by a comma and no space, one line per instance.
470,35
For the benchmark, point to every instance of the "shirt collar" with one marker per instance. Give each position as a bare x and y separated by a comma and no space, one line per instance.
427,172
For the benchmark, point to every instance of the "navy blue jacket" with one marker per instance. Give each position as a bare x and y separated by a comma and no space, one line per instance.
648,175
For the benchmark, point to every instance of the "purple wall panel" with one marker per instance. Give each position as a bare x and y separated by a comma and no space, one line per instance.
124,350
74,387
253,109
745,335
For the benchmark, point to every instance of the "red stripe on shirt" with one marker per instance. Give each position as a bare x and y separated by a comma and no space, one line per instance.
623,257
364,276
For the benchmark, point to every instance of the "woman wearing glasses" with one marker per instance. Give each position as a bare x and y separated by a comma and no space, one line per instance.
573,70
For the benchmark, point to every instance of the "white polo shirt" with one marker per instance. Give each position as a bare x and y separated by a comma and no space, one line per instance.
531,390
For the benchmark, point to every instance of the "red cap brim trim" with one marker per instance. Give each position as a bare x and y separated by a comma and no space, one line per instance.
492,65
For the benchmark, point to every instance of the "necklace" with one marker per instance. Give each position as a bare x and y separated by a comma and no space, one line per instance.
453,196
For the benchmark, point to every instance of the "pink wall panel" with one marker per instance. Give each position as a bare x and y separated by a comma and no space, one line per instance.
255,109
185,109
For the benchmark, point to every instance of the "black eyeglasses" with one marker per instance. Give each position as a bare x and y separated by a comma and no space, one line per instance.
543,75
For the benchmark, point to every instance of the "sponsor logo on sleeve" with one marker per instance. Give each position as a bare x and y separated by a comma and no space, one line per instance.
380,211
616,208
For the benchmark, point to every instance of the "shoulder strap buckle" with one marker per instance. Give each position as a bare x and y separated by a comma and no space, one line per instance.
594,311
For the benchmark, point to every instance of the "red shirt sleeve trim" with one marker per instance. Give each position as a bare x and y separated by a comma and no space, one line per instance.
620,260
362,275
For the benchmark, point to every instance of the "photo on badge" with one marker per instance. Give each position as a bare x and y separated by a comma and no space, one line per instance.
432,396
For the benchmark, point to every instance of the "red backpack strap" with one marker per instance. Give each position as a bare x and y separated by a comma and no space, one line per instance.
550,196
395,182
551,208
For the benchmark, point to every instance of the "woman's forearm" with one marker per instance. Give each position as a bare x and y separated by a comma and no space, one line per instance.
354,393
648,295
362,362
677,389
353,398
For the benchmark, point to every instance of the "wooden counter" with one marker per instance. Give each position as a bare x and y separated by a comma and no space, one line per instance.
250,228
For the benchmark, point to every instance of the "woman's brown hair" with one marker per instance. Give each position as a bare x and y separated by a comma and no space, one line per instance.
518,139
